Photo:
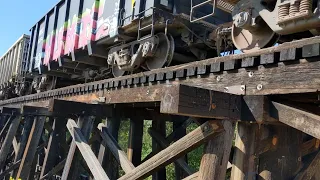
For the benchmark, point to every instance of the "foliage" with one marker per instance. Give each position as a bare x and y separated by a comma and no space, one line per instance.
194,157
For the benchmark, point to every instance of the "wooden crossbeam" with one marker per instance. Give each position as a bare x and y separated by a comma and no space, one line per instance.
31,147
119,155
59,106
164,144
54,170
304,121
71,168
9,111
175,151
310,169
170,137
5,149
193,176
53,145
8,119
198,102
35,111
11,168
88,155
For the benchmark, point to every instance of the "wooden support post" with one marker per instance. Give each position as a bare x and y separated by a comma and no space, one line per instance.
135,139
88,155
52,154
216,154
31,147
285,160
119,155
164,144
304,121
243,167
71,168
175,150
179,133
105,157
159,125
4,151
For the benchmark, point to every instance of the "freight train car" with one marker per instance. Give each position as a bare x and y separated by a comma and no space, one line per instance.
13,69
83,40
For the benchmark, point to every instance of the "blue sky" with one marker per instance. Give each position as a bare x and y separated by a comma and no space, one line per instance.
17,18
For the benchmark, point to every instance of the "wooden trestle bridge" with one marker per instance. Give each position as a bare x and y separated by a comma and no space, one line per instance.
268,100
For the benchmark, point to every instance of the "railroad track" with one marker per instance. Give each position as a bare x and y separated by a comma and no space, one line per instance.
288,54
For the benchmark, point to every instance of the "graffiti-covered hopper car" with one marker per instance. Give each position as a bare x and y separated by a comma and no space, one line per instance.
92,39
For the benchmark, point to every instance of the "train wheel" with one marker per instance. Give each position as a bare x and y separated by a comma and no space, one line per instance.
254,39
164,53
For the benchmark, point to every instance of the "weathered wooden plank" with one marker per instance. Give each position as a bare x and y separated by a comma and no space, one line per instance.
197,102
174,151
193,176
164,144
215,158
70,170
159,124
88,155
120,156
52,153
171,137
58,107
5,148
284,161
243,167
105,156
54,170
311,50
304,121
135,139
310,146
11,168
290,54
31,148
179,129
28,121
8,120
310,169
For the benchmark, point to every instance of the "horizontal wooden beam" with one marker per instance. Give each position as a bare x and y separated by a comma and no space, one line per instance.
59,107
304,121
175,150
198,102
9,111
88,155
119,155
35,111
